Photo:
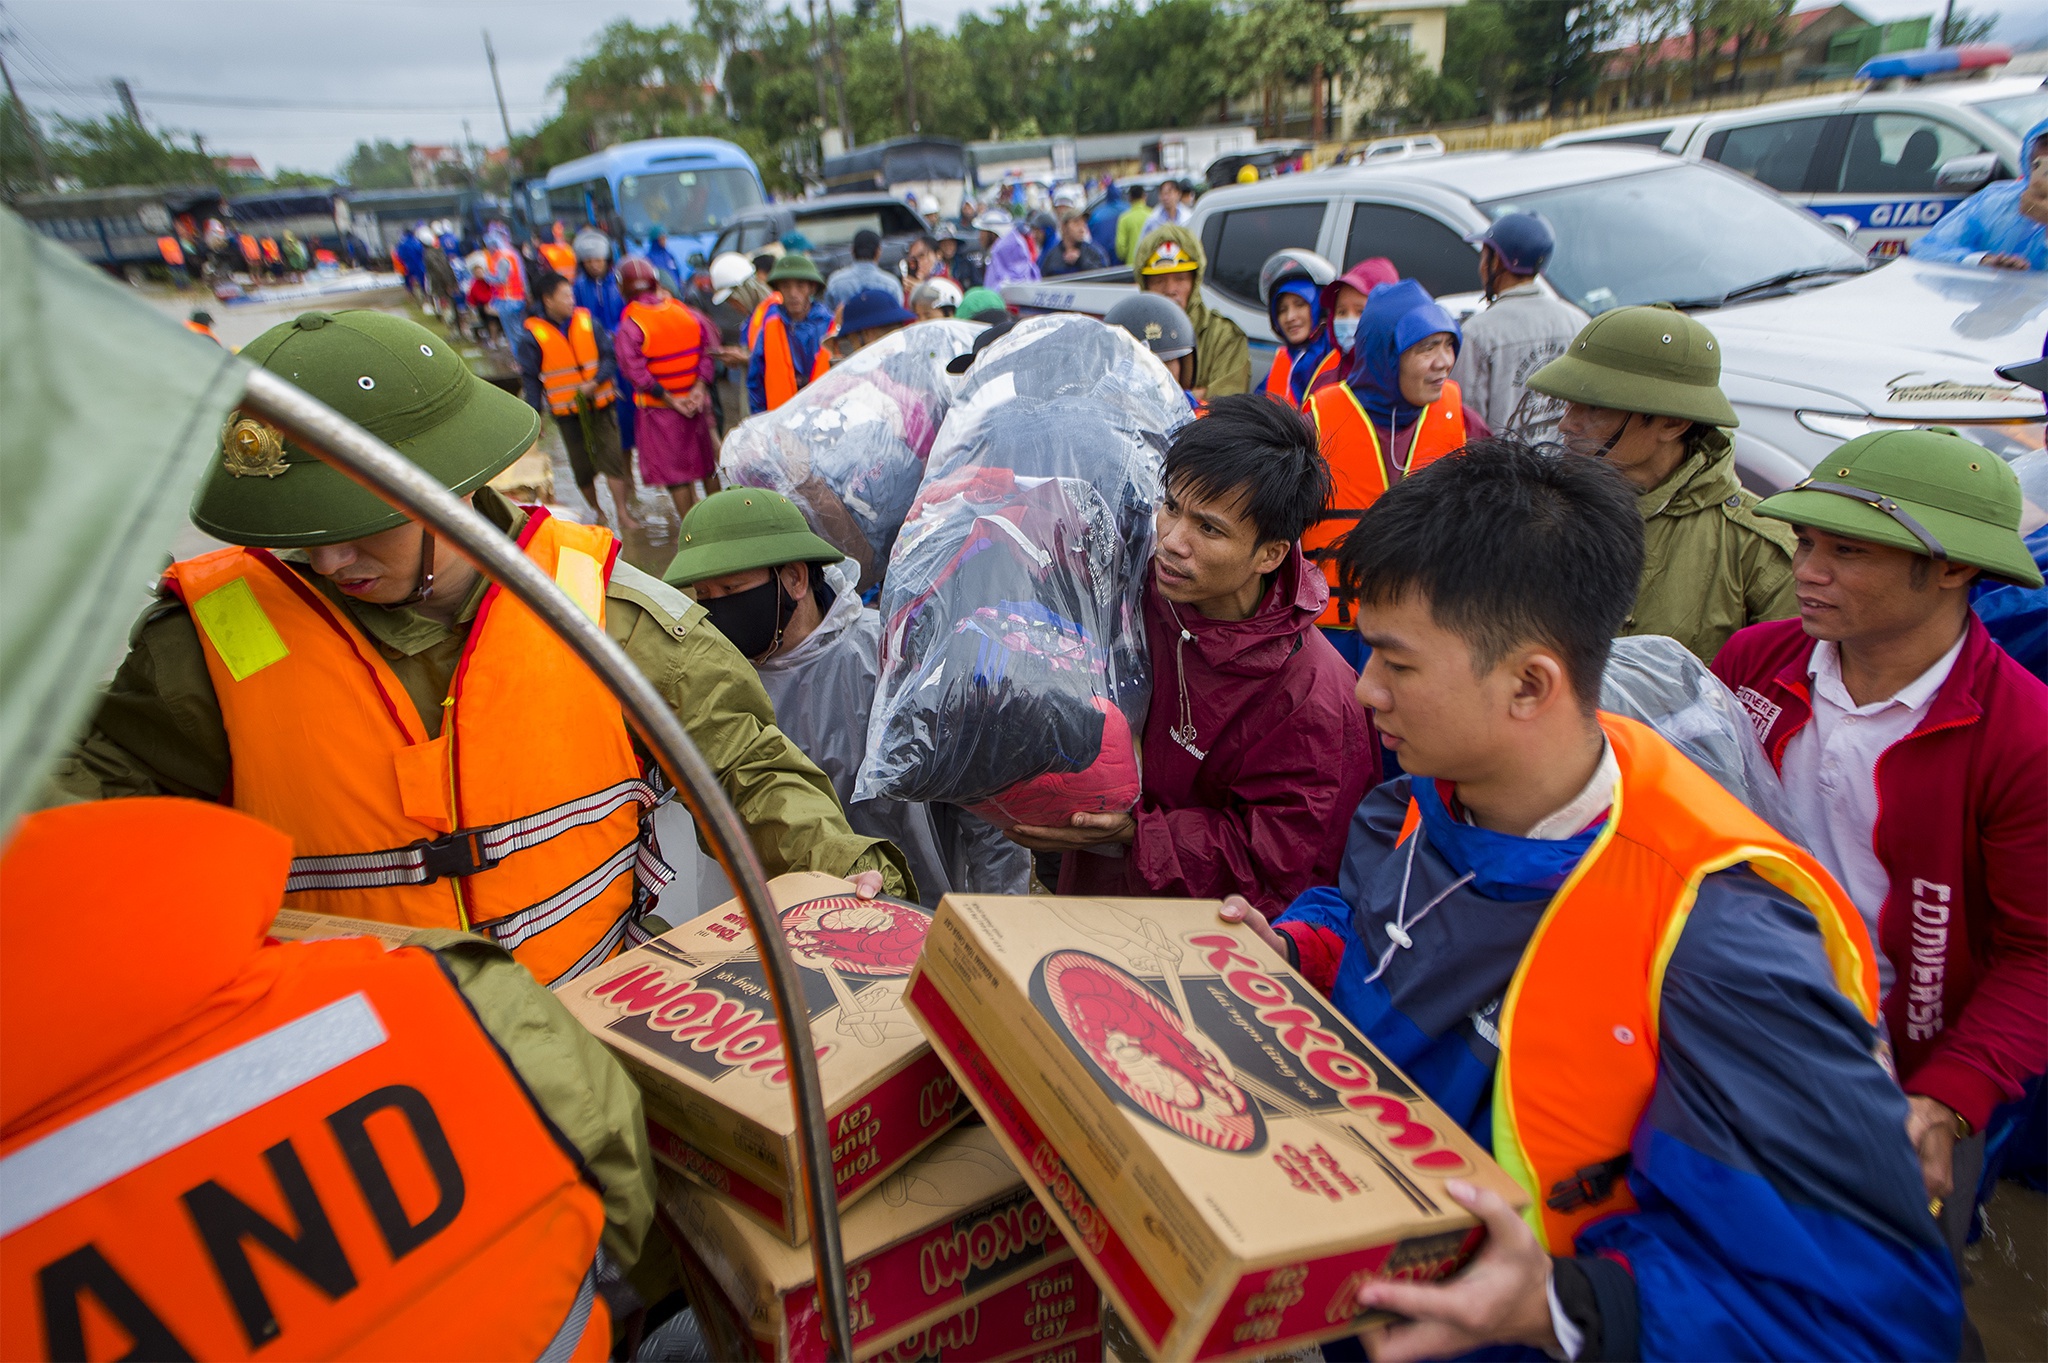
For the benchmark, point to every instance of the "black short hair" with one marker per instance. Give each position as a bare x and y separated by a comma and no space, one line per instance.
1259,451
547,281
929,242
1511,544
867,244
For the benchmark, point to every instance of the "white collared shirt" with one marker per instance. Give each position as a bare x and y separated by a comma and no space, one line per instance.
1830,775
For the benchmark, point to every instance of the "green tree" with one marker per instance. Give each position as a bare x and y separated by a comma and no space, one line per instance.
1274,45
1965,27
117,150
301,179
378,165
17,157
1158,67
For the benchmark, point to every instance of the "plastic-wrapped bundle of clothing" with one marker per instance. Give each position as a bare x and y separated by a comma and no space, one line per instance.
1013,665
1659,681
850,449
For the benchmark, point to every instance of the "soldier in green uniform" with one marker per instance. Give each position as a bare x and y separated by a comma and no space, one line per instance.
1642,390
369,580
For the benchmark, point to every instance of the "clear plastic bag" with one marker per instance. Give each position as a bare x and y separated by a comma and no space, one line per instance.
850,449
1659,682
1010,611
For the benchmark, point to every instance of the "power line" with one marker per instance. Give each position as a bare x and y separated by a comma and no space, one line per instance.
269,105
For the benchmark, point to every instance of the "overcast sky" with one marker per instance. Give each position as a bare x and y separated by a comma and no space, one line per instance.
297,82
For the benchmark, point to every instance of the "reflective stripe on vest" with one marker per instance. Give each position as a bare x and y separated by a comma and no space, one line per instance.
328,1163
672,343
1579,1025
528,819
1358,473
567,360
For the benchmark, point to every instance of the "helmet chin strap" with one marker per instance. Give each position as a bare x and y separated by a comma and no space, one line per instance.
426,583
1626,417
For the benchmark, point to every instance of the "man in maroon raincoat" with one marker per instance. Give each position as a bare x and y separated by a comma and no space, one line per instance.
1256,754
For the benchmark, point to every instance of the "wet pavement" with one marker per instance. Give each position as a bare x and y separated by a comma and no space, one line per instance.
2009,1299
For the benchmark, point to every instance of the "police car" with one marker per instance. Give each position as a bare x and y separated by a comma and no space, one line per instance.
1819,346
1883,165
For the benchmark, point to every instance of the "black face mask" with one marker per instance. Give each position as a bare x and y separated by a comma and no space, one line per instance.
753,619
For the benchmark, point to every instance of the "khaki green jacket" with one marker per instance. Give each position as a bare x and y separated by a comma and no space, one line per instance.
572,1076
159,729
1711,565
1223,357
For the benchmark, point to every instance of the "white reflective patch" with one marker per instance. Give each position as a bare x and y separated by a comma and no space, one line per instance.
93,1151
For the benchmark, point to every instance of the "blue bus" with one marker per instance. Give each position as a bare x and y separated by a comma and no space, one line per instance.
691,185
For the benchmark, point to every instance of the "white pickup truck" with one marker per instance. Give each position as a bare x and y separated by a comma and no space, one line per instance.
1819,345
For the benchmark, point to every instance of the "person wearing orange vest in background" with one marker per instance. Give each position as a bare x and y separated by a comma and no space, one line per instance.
201,323
667,354
567,369
559,254
1655,1010
311,1149
438,756
1291,283
508,280
1395,413
789,353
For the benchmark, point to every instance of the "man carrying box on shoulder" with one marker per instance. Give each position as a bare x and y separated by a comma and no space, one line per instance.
1655,1010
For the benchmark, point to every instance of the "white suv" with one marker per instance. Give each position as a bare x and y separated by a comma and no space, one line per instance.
1883,165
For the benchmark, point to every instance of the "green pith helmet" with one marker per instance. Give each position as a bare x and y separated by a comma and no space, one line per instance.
1896,486
392,377
795,266
742,528
1653,360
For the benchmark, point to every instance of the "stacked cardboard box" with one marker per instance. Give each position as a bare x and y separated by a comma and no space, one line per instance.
689,1014
1228,1156
952,1258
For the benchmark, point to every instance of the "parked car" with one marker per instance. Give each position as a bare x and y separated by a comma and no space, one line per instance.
829,223
1819,345
1381,150
1883,165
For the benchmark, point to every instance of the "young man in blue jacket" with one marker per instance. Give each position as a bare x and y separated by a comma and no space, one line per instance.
1656,1011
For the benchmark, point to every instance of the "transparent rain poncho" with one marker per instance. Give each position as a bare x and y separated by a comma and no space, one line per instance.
1012,641
849,450
1659,682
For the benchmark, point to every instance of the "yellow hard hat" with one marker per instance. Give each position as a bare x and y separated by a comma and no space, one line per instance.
1247,175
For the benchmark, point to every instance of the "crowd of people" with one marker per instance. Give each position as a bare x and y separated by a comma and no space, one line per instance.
1745,1056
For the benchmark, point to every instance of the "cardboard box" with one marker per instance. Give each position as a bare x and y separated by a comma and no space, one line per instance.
1230,1157
689,1014
953,1226
294,925
1052,1315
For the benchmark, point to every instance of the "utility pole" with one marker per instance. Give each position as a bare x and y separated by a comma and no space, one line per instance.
909,93
818,65
28,121
1941,34
504,119
127,100
838,76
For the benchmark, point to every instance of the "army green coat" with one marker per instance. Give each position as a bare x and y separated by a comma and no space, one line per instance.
159,729
1711,565
1223,357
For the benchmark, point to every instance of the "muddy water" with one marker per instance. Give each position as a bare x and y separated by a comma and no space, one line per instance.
2009,1299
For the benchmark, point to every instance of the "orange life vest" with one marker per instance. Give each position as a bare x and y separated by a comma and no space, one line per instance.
760,317
270,251
1358,474
170,250
778,377
251,252
202,329
517,822
1277,377
1580,1023
513,289
672,343
568,360
309,1150
561,258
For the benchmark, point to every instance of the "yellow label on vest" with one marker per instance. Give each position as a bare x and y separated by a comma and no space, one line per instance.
239,630
577,574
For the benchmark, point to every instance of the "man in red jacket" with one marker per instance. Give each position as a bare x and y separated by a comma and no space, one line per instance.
1255,753
1915,752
